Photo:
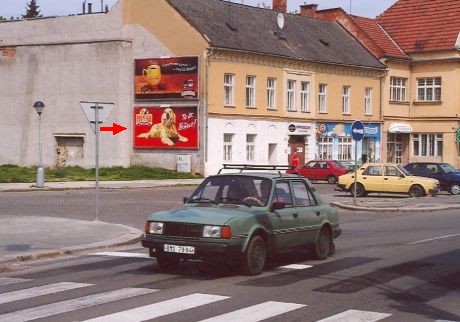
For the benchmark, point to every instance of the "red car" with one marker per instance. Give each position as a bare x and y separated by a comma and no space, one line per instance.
328,170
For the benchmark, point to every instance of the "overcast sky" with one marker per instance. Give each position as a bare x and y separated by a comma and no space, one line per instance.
15,8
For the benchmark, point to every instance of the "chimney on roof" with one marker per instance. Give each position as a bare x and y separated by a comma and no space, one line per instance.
308,10
280,5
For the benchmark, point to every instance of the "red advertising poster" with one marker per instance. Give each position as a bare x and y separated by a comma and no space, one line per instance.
166,127
166,78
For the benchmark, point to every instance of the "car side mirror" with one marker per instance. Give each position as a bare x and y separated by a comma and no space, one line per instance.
277,205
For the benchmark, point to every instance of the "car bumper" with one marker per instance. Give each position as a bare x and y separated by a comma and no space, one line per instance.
203,249
433,191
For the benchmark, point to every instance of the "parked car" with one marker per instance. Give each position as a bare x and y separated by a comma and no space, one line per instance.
329,170
243,218
386,177
448,176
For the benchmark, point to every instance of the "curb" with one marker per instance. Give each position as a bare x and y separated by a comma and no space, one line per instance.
131,237
394,209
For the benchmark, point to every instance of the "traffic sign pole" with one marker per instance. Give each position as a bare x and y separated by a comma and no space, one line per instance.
357,133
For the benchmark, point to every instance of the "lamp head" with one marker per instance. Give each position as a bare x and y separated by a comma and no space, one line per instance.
39,107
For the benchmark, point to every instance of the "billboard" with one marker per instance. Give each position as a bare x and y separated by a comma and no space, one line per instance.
166,127
166,78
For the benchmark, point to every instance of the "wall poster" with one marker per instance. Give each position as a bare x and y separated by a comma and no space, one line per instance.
166,78
166,127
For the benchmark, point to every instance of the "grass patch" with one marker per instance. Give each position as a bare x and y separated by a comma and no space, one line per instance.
11,173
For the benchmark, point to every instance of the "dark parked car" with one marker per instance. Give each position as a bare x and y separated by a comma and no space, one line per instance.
242,219
328,170
448,176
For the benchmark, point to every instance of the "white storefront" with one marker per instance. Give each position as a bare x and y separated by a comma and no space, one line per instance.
249,141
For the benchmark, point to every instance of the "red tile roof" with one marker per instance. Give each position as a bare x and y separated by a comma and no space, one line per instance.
422,25
375,32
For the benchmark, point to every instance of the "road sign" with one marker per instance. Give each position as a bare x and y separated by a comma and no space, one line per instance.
357,130
103,111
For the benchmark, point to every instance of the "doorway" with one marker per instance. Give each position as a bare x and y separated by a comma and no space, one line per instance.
297,145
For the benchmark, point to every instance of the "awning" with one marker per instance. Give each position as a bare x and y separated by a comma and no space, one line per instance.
400,128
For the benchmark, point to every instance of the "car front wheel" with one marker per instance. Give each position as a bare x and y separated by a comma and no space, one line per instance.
454,188
323,245
255,256
360,191
416,191
332,179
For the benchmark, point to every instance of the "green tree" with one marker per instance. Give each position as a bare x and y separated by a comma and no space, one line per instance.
32,10
1,18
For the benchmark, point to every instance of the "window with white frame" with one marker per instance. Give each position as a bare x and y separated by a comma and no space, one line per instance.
322,92
304,96
368,101
429,89
325,148
290,104
250,147
271,93
346,99
250,91
398,89
228,146
229,84
344,148
427,144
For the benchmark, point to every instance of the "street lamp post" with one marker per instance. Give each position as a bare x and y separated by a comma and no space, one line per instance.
39,107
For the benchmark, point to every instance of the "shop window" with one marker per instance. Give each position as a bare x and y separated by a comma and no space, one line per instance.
345,148
228,146
427,145
250,147
325,148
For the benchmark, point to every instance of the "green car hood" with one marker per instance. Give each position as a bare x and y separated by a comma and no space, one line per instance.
208,215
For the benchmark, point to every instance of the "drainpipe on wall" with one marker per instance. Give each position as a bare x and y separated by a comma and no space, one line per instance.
382,87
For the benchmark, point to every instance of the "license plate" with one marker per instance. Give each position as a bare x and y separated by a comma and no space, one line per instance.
179,249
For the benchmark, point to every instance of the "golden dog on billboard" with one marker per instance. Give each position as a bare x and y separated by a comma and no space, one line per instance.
166,130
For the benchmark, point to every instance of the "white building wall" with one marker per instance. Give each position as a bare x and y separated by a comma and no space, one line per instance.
267,131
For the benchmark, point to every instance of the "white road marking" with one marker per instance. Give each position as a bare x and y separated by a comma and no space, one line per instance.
296,266
432,239
152,311
39,291
11,280
257,312
121,254
355,315
44,311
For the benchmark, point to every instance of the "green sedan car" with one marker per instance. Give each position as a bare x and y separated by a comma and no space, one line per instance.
244,218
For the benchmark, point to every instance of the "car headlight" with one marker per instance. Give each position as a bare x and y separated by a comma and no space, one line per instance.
217,232
154,227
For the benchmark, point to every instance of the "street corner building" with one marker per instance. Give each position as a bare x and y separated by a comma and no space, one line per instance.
208,82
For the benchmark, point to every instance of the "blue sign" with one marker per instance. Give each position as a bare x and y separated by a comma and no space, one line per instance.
357,130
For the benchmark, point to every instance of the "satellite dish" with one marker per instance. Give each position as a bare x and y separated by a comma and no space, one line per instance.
280,20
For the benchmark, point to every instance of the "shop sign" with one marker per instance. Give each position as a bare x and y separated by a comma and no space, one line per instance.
400,128
166,127
299,129
166,78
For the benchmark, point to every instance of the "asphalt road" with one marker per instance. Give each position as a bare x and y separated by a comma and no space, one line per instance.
388,266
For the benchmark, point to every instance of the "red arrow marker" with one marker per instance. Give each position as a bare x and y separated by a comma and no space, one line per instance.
115,128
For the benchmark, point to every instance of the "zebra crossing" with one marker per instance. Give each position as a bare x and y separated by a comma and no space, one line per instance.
252,313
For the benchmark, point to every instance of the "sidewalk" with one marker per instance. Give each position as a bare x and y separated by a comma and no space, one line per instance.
21,240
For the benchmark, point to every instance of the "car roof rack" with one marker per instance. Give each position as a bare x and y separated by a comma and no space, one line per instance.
249,167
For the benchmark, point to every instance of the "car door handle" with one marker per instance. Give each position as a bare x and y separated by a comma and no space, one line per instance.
295,215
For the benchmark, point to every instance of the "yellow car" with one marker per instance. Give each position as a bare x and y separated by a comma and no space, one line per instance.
386,178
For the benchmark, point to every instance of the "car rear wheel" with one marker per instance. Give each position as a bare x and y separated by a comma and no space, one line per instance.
454,188
360,191
323,245
255,256
332,179
416,191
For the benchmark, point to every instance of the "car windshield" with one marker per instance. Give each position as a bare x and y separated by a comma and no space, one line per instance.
338,164
233,189
400,167
446,167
